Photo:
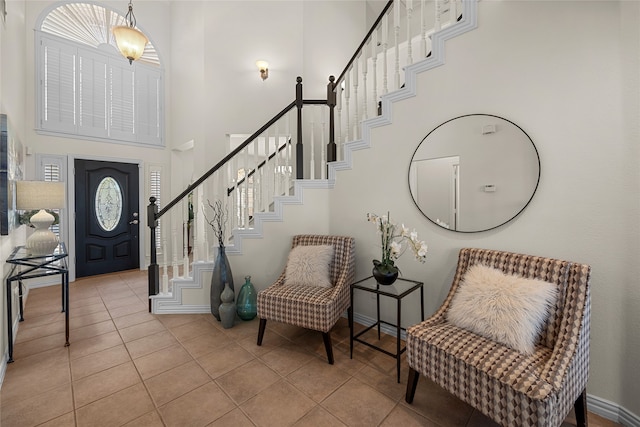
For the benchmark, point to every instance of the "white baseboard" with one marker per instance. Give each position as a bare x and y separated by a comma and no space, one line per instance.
612,411
606,409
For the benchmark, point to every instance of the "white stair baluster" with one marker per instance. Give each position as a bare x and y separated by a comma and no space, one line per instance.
396,32
385,48
165,274
409,15
438,24
374,61
347,92
453,11
245,194
356,78
338,122
312,161
365,104
287,152
256,177
423,29
323,145
175,269
194,227
268,184
287,155
233,181
185,250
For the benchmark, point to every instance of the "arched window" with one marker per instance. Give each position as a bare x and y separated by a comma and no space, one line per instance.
86,88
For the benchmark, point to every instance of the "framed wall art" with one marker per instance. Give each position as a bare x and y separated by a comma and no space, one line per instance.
11,170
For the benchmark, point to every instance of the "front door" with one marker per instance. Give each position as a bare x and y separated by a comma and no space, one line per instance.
107,217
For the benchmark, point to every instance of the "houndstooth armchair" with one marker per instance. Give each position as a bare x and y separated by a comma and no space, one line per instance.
312,307
512,388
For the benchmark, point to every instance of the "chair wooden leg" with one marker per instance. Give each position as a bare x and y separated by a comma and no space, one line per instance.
580,406
263,324
327,345
412,383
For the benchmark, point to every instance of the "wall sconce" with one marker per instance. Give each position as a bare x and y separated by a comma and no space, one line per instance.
40,195
263,66
130,41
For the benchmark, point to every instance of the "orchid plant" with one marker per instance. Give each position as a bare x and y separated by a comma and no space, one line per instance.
393,239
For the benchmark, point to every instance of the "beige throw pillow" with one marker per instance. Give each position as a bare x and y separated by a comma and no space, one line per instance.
309,266
505,308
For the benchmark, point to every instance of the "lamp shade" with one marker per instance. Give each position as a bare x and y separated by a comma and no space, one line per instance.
39,195
34,195
131,42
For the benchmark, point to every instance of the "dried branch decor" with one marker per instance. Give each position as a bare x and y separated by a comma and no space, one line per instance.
218,221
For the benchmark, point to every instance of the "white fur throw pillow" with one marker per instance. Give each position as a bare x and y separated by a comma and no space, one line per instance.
505,308
309,266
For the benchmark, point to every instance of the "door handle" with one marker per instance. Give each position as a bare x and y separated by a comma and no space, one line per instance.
135,221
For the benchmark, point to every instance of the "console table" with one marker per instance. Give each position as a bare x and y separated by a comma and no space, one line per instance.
398,290
25,266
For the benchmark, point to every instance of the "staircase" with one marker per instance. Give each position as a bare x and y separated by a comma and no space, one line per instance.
275,172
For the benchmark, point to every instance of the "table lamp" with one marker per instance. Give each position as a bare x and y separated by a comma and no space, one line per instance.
40,195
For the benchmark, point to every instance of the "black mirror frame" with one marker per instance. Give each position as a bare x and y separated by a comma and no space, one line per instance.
502,223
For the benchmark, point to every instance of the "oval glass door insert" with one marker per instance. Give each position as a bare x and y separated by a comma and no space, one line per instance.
108,203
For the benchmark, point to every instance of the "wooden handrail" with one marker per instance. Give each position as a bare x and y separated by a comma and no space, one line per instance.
228,157
364,41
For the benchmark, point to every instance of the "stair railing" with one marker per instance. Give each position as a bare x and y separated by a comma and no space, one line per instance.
263,166
247,180
401,33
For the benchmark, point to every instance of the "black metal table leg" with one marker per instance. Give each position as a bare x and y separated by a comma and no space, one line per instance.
398,331
9,321
350,313
20,298
65,286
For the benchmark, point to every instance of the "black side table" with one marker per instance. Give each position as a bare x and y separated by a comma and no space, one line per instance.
398,290
25,266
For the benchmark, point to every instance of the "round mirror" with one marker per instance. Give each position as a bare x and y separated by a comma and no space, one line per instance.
474,173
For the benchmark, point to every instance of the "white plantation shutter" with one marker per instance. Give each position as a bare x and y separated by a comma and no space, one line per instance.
121,97
58,86
52,168
95,93
148,109
92,84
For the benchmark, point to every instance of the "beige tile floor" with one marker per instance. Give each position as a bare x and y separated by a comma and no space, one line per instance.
126,366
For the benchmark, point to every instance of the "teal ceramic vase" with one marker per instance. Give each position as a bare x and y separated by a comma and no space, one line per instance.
247,304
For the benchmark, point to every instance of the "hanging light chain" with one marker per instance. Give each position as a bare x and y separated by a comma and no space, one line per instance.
130,17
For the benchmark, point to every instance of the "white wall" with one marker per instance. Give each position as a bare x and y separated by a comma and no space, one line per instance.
12,103
567,73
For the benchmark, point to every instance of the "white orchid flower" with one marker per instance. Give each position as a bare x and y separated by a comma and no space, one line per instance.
395,248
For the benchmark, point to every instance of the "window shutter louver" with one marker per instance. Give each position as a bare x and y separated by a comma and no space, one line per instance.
93,94
52,172
148,105
59,103
121,96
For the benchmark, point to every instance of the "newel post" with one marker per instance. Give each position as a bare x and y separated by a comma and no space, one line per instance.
299,151
154,270
331,103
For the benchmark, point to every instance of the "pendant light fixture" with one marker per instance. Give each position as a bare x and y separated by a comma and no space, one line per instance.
130,41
